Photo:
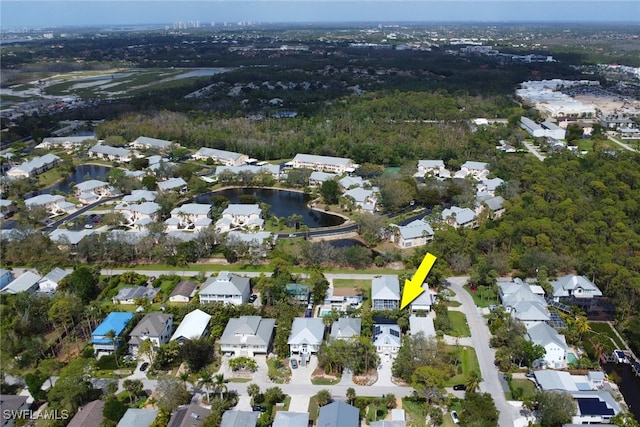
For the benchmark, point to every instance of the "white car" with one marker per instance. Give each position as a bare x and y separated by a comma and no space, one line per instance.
454,417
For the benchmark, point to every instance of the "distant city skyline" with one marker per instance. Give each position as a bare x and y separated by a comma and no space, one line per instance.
55,13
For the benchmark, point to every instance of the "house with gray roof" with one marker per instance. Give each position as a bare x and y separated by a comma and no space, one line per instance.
387,338
247,336
554,344
459,217
194,325
55,204
64,237
416,233
385,292
173,184
88,415
291,419
11,404
422,325
519,299
489,185
34,167
495,206
348,182
424,301
238,215
575,286
139,196
239,419
228,158
144,142
65,142
318,177
190,216
338,414
26,282
429,168
478,170
6,277
337,165
155,327
106,152
221,171
306,335
129,295
138,214
7,208
184,291
362,198
97,187
50,282
138,417
346,328
191,415
226,287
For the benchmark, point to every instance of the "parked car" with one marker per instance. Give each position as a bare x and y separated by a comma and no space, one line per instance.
529,375
258,408
144,366
294,364
454,417
460,387
253,297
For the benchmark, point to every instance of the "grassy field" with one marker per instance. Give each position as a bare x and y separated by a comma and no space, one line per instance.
468,361
483,296
459,325
363,284
415,411
605,329
527,386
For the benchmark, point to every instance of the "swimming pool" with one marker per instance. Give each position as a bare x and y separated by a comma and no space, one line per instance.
571,358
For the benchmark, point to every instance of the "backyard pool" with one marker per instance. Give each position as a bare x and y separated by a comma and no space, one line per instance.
571,358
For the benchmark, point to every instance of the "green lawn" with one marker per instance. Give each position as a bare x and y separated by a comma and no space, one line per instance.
313,409
605,329
482,297
453,304
459,325
323,381
528,389
363,284
468,361
415,412
278,371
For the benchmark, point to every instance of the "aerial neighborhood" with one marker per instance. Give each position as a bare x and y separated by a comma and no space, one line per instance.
257,259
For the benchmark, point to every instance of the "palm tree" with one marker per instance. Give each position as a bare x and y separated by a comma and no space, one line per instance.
473,382
113,339
351,395
205,381
253,390
219,384
323,397
184,376
582,326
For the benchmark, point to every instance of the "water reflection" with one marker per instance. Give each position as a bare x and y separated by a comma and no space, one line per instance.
81,173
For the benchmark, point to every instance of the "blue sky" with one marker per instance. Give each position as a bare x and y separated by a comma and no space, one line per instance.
40,13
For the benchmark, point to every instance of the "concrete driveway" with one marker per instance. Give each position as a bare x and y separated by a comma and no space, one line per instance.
384,374
302,375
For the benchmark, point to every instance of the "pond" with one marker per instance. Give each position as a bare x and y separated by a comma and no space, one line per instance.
82,173
284,203
629,385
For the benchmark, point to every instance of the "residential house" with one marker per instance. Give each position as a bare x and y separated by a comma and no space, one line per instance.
398,419
88,415
387,337
68,143
247,336
346,328
239,419
520,300
594,407
362,198
257,241
428,168
144,142
139,196
338,414
50,282
11,404
191,415
337,165
173,184
546,129
6,277
184,291
236,215
424,301
341,298
385,293
221,171
34,167
226,287
416,233
574,286
7,208
54,204
422,325
155,327
489,186
298,292
477,170
494,205
291,419
459,217
554,344
138,214
194,325
116,322
106,152
138,417
228,158
349,182
317,178
26,282
68,238
133,295
306,335
190,216
93,190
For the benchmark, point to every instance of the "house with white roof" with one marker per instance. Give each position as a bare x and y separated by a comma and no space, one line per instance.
254,240
190,216
594,407
55,204
427,168
318,177
99,188
362,198
34,167
173,184
50,282
519,299
194,325
227,288
138,418
228,158
66,142
489,186
139,214
575,286
422,325
26,282
63,237
477,170
416,233
459,217
239,419
554,344
387,339
238,215
546,129
274,170
139,196
385,292
144,142
247,336
155,327
424,301
107,152
306,335
337,165
349,182
346,328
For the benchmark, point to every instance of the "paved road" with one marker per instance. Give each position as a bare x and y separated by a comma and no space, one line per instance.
621,144
480,338
533,150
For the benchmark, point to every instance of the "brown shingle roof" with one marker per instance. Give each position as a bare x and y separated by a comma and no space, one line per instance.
184,288
90,415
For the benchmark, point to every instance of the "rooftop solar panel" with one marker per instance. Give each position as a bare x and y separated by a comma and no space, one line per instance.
593,406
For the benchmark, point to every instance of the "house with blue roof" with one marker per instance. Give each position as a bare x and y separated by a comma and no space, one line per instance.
116,322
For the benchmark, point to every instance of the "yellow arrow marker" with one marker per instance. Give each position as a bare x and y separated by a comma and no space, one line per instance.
413,288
